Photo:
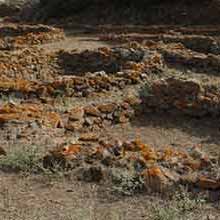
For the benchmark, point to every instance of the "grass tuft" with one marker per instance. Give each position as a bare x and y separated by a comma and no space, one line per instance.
24,160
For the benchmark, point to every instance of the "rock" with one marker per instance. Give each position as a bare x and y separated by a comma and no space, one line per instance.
63,156
106,123
159,179
107,108
177,87
76,114
89,121
90,137
109,116
183,95
189,179
55,120
2,152
92,111
74,126
193,164
132,100
210,217
129,54
201,181
122,118
197,153
208,183
91,174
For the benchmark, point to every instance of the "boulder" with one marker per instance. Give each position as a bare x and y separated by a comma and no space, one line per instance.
158,179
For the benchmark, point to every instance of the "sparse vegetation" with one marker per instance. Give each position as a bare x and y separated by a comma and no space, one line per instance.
126,183
109,109
24,160
181,207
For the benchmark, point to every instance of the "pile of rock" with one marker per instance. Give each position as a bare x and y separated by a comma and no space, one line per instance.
27,64
109,60
14,36
97,116
91,117
184,95
199,43
160,169
198,62
67,86
26,72
30,112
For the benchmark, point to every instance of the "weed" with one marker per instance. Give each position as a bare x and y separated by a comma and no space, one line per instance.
181,207
126,183
165,213
145,91
25,160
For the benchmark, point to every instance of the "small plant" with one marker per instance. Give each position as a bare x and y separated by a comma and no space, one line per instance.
126,183
184,203
145,90
25,160
165,213
180,207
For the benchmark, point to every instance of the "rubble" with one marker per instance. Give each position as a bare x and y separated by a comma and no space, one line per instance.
110,112
89,137
62,156
184,95
28,112
161,169
198,43
83,94
18,36
110,61
191,60
159,180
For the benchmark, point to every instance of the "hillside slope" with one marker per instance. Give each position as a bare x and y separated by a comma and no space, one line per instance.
135,12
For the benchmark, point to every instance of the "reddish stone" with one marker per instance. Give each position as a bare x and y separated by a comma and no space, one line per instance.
90,137
92,111
107,108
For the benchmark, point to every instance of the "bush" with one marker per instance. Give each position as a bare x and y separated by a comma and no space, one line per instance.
24,160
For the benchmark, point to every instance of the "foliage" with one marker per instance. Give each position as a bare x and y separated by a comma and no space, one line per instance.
21,160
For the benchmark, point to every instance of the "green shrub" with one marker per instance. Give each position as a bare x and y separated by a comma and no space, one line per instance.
25,160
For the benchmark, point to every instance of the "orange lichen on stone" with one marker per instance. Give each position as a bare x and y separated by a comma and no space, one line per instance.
150,154
54,120
139,144
154,171
66,152
22,112
16,84
71,149
90,137
155,180
169,153
27,112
